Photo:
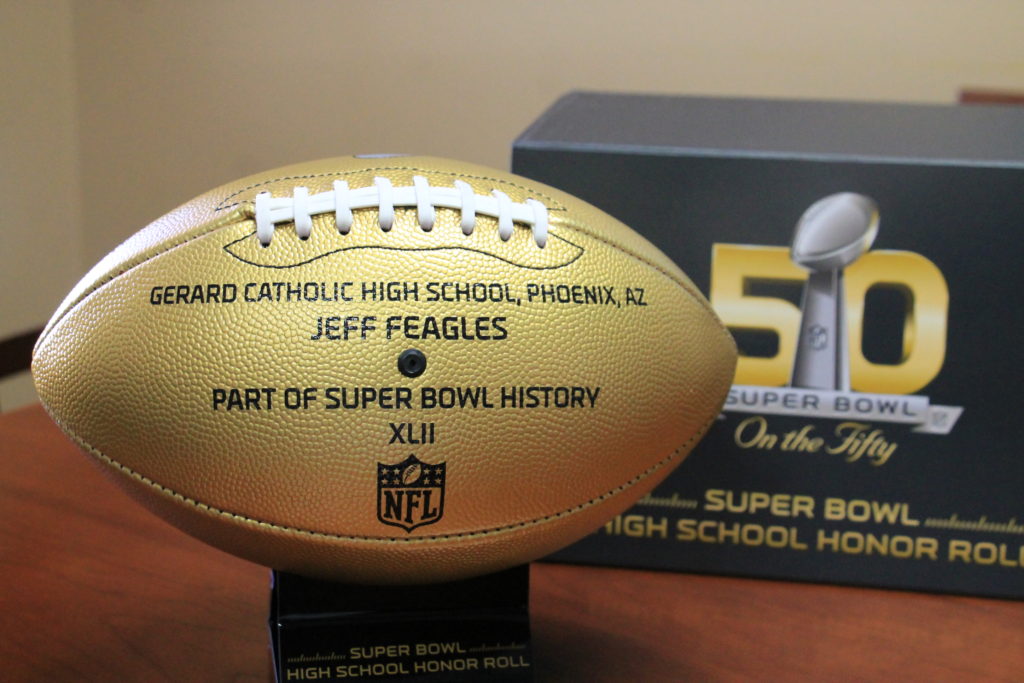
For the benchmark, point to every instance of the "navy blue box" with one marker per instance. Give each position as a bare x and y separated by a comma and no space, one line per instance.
867,258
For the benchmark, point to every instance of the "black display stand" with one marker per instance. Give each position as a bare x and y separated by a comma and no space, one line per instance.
472,630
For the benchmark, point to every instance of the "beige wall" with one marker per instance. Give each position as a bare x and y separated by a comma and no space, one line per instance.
40,219
175,97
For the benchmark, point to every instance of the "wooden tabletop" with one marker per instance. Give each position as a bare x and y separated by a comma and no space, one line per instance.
94,588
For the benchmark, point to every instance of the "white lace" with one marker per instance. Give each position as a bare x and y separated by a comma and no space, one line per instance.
382,195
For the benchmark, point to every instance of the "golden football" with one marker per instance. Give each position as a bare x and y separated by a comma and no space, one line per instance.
385,370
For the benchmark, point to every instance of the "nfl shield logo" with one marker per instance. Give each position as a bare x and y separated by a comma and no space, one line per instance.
410,494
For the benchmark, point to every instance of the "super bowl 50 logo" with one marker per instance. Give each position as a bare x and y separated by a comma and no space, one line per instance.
819,368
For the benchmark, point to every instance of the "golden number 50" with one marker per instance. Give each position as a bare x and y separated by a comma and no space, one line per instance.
734,267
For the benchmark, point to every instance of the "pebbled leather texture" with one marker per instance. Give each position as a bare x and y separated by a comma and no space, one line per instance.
295,483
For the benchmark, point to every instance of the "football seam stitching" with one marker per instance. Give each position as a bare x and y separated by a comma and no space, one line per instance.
221,206
124,469
213,226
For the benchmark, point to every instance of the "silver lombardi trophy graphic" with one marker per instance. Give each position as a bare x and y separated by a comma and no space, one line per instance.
833,233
